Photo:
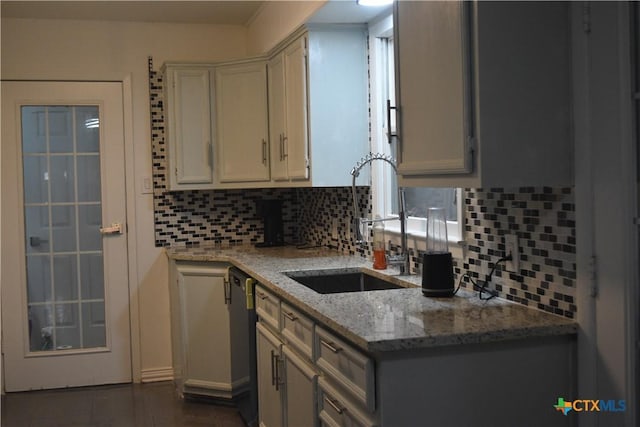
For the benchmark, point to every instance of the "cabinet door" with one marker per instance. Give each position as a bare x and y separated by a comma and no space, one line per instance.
277,126
189,126
297,137
205,320
242,122
433,87
301,385
270,389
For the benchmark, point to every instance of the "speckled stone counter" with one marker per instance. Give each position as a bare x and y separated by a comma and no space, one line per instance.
388,320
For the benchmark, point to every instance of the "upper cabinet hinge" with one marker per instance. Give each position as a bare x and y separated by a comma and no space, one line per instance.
471,143
593,279
586,17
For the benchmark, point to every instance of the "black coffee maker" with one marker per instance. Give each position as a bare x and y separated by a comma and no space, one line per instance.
271,213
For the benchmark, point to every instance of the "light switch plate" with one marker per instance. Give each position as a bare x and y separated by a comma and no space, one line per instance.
334,229
511,247
147,185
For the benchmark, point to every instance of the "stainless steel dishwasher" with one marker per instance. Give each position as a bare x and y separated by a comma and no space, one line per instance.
248,406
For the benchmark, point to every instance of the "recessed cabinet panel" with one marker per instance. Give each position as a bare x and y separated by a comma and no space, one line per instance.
289,129
433,86
277,123
301,382
189,128
268,308
242,122
270,378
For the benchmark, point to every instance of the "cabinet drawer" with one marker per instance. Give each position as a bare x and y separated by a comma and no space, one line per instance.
347,366
268,307
334,409
297,329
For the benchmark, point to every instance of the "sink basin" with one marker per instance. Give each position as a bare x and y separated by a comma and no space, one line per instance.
337,281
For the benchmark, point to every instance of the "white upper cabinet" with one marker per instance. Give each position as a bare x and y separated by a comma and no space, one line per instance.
483,93
288,113
295,117
188,122
242,143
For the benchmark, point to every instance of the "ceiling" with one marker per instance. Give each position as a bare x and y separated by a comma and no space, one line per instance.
234,12
193,12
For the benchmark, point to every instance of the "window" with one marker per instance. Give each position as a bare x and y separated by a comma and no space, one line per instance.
384,183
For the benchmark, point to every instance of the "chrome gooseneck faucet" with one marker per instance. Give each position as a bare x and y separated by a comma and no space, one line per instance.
402,259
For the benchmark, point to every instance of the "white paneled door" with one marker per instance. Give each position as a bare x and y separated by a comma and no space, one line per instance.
65,289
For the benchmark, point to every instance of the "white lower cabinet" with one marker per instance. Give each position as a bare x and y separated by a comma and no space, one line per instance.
347,367
208,325
300,384
287,379
336,410
270,386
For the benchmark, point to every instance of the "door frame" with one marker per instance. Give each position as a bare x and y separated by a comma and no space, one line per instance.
606,198
130,194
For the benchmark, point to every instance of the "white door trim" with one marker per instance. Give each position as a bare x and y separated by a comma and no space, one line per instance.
132,238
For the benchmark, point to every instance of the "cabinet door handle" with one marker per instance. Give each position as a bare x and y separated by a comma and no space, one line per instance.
290,316
273,368
331,346
281,147
264,151
335,405
227,292
285,142
390,134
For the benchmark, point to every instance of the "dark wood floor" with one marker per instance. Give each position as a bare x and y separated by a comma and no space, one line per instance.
135,405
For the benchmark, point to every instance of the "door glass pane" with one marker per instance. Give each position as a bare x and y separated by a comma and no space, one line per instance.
89,187
61,178
63,214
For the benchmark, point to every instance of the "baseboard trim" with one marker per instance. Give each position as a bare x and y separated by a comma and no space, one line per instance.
156,374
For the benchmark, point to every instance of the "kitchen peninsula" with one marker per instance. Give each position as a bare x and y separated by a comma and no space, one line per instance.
415,356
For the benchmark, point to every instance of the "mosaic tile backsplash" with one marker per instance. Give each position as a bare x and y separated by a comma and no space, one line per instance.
543,219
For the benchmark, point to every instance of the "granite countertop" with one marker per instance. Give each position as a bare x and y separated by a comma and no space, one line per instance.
382,321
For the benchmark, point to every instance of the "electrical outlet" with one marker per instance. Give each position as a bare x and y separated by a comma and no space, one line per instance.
511,248
334,229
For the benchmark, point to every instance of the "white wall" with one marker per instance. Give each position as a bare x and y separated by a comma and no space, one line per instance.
93,50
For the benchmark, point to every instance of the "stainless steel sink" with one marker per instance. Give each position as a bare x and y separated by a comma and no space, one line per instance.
337,281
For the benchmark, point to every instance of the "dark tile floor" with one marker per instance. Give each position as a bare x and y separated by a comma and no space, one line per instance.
134,405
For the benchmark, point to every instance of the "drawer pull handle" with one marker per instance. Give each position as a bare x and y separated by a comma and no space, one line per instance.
331,346
335,405
263,296
290,316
